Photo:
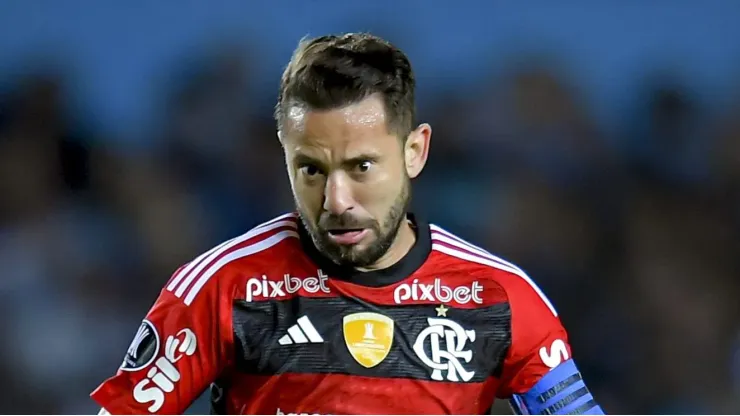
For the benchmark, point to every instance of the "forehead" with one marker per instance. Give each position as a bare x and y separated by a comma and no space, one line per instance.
358,125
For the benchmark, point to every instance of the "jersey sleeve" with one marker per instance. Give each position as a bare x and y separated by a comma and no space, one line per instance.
181,346
539,375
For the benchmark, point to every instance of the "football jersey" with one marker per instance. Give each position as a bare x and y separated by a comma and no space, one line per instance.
273,327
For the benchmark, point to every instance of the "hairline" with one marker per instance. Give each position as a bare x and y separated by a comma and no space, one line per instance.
286,106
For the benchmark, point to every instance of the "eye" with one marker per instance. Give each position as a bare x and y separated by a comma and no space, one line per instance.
364,166
310,170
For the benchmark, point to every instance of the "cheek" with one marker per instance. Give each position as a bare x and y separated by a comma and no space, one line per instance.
380,195
310,198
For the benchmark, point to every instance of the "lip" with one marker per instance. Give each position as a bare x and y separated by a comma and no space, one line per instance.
348,238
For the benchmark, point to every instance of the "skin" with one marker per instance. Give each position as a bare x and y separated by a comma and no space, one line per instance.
348,171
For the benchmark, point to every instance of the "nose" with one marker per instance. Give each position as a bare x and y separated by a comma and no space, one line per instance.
338,194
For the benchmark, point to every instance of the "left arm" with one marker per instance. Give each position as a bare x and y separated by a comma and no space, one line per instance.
560,391
539,374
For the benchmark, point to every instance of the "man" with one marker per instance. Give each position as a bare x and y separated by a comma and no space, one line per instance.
352,305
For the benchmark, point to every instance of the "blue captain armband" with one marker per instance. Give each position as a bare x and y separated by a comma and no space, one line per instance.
560,392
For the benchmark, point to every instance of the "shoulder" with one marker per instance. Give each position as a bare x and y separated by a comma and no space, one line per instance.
517,285
210,269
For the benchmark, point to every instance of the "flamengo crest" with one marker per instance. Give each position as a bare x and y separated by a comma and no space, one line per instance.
446,341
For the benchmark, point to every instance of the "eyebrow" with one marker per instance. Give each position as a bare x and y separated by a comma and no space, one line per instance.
304,159
364,157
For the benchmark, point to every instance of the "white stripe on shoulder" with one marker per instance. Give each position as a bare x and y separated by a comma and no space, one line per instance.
471,247
467,256
190,272
468,249
290,215
237,254
185,270
222,249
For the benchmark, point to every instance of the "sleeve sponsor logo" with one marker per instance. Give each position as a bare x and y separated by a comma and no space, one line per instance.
556,354
438,292
143,348
162,377
263,287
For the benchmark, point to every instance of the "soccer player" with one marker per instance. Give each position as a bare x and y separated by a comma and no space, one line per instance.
351,305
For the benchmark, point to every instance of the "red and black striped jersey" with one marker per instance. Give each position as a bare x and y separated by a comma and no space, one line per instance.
273,327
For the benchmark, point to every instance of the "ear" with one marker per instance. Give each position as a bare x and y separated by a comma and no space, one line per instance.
416,149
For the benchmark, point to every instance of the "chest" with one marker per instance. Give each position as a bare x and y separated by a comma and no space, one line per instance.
352,335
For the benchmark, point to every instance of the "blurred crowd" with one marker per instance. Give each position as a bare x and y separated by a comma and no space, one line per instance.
632,232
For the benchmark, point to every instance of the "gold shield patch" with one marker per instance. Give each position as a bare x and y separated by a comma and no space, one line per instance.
368,336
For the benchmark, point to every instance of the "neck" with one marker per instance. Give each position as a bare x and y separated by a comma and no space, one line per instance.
402,244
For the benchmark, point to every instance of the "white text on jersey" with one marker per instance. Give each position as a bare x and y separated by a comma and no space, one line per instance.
164,375
289,285
557,353
438,292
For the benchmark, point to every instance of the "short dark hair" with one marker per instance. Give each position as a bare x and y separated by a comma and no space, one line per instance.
334,71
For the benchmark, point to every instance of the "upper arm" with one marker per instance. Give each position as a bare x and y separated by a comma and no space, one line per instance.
539,373
178,350
538,340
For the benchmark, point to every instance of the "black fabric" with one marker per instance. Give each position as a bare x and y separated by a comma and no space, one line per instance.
259,325
219,394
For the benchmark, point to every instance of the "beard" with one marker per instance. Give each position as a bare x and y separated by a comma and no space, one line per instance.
385,232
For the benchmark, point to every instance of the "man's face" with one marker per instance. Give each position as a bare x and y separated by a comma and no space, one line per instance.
349,179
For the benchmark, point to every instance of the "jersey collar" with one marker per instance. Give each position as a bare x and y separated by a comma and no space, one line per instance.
402,269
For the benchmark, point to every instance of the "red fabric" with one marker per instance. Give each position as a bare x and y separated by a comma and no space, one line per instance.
535,332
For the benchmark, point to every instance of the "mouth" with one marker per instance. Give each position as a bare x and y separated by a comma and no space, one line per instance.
348,236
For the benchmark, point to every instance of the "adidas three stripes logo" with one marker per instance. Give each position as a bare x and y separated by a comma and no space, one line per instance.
303,332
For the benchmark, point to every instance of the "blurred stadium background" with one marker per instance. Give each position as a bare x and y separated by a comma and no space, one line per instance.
597,144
